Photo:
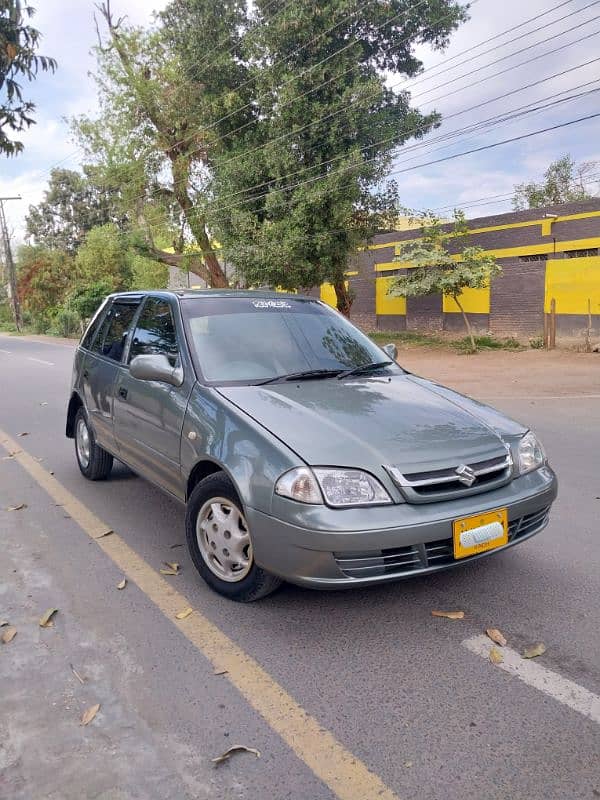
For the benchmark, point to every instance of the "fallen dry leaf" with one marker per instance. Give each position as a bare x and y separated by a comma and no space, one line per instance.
89,714
173,546
44,404
237,748
172,568
496,656
496,636
183,614
46,620
221,672
24,433
3,623
535,650
19,507
122,584
449,614
9,634
408,764
77,675
104,533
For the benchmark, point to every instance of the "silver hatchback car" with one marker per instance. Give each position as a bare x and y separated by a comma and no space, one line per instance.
302,451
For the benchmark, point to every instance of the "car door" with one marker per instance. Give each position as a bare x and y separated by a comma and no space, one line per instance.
100,366
149,414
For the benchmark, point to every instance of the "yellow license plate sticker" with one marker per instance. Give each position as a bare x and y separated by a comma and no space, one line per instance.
480,532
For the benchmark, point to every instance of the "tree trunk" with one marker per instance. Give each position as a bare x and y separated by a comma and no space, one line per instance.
467,324
344,297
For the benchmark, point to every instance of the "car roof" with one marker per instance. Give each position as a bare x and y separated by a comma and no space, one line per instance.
204,293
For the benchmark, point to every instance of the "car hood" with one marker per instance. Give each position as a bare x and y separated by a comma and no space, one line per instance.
369,422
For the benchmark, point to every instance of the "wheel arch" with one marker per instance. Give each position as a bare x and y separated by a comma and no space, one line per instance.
75,403
202,469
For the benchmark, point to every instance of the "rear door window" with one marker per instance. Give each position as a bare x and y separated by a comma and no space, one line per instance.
155,332
112,336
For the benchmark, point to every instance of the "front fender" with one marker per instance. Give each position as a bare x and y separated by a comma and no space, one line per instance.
216,430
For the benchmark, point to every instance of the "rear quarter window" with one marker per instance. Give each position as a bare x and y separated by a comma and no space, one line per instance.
93,327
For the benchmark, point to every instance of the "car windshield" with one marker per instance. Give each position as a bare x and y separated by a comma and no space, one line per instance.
255,339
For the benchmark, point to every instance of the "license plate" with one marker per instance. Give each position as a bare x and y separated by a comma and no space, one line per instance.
480,532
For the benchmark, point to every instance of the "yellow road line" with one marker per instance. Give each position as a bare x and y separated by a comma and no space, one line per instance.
346,776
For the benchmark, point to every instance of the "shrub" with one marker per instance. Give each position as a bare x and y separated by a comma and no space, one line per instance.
66,323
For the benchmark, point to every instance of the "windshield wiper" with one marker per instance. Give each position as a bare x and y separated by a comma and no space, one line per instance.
301,376
364,368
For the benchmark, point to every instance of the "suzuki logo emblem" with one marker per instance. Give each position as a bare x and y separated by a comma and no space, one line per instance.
465,475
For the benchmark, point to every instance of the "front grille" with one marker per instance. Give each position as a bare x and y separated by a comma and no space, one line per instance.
444,484
412,558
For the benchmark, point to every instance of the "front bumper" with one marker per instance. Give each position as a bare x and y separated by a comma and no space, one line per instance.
409,539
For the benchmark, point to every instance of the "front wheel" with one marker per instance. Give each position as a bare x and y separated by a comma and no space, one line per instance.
220,543
94,462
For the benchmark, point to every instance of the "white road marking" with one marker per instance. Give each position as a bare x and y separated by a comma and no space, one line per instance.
545,680
8,352
40,361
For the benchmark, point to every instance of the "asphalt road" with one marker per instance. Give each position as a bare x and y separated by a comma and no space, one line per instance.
396,687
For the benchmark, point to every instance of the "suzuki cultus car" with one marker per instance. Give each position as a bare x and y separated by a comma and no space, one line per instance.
302,451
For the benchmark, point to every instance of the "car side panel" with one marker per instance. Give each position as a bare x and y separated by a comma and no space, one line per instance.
97,377
148,424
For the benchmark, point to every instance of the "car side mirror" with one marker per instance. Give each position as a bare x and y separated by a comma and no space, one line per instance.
391,350
156,367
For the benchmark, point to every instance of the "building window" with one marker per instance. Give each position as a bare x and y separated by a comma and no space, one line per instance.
534,257
391,273
585,253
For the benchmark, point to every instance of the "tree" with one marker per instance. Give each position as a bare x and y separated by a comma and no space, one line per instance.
296,187
44,278
104,256
150,139
19,42
73,204
564,182
434,269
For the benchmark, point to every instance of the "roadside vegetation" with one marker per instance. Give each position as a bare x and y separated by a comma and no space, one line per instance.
414,339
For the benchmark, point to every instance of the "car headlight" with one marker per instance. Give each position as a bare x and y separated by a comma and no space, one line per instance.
339,487
531,453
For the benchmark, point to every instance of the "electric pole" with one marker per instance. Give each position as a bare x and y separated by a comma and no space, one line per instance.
10,264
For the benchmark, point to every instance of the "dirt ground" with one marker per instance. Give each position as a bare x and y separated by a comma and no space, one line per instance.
525,374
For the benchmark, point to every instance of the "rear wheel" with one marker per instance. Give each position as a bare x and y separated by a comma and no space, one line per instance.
220,542
94,462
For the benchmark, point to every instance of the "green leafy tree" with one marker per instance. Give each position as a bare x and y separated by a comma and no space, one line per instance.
104,256
147,273
299,186
442,262
564,181
19,60
85,298
73,204
150,138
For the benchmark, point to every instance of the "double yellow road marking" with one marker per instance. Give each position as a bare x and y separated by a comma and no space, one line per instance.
346,776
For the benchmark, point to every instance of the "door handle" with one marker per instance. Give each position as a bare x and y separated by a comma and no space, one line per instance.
122,392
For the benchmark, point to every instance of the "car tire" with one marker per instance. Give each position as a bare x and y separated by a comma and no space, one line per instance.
217,494
94,462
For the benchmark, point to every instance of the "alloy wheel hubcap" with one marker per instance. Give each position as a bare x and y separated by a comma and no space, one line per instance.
223,539
83,443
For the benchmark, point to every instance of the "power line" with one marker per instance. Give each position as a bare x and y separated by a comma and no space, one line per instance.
410,131
347,168
469,85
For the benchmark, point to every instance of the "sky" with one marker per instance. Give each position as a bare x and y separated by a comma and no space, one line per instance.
453,82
